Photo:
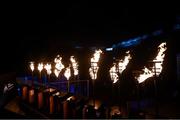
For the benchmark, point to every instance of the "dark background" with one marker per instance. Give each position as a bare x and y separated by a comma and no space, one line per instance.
38,30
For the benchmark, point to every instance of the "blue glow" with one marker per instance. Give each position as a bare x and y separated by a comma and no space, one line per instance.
19,91
144,37
113,46
158,32
177,27
109,49
137,40
130,42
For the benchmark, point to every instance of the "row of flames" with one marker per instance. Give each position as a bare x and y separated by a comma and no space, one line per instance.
119,67
58,67
116,69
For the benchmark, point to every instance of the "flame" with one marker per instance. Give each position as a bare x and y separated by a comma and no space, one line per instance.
94,64
67,73
58,93
48,68
159,59
59,66
113,73
40,67
70,98
123,63
115,110
74,65
32,66
146,74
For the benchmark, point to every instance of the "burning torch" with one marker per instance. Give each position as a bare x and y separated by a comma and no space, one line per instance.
67,74
94,68
48,69
40,67
32,69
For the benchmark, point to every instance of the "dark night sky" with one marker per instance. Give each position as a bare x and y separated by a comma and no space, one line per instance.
26,26
83,21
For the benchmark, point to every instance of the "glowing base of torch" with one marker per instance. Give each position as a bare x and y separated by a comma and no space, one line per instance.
58,104
40,100
97,103
65,109
49,100
51,104
31,96
24,92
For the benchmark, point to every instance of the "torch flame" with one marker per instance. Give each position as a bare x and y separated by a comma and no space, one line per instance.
146,74
59,66
48,68
113,73
94,64
74,65
123,63
40,67
32,66
67,73
159,58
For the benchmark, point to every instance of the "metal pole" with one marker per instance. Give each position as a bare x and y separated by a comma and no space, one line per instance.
77,84
32,84
155,90
48,79
120,98
40,81
120,106
138,97
68,86
93,86
112,90
93,94
88,88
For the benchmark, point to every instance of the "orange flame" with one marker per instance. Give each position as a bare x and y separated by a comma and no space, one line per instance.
40,67
32,66
146,74
74,65
94,64
159,58
48,68
123,63
59,66
67,73
113,74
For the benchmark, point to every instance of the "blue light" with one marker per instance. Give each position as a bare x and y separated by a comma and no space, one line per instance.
19,91
158,32
113,46
109,49
144,37
137,40
177,26
130,42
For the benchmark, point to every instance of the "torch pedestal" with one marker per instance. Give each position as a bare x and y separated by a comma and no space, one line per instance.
31,96
49,100
24,92
40,100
